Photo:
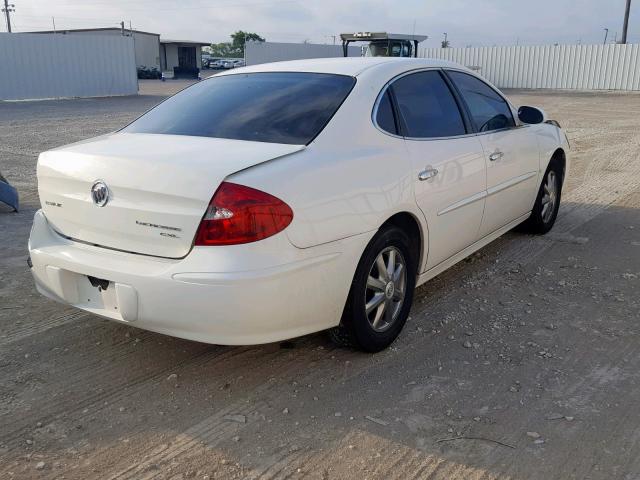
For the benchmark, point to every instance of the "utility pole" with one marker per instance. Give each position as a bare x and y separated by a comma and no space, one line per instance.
8,8
606,34
625,25
122,28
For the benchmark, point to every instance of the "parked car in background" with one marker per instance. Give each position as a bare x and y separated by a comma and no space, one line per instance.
291,198
238,63
8,194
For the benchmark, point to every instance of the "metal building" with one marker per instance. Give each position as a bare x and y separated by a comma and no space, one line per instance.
56,66
146,44
265,52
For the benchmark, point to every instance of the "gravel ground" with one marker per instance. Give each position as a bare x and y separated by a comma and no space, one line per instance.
520,362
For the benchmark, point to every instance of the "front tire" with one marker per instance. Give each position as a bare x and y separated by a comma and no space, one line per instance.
381,293
545,209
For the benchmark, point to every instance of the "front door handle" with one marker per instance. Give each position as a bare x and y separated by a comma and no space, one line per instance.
427,173
497,155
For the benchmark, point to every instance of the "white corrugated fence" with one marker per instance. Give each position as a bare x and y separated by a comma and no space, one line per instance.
53,66
577,67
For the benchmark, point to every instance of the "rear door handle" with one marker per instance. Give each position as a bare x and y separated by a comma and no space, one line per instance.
497,155
427,173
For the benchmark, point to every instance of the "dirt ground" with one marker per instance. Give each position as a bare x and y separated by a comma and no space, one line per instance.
548,390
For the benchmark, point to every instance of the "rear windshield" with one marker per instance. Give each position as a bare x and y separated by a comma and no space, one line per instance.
276,107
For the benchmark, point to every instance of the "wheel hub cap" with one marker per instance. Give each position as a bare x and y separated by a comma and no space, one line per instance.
389,290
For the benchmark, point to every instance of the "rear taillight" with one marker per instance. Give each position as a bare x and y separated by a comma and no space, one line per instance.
239,214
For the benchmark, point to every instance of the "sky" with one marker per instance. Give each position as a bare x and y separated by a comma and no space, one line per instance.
467,22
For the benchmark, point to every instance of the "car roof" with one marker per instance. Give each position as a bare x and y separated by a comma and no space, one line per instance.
352,66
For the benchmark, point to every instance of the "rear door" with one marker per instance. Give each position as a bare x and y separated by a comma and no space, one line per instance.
448,164
511,152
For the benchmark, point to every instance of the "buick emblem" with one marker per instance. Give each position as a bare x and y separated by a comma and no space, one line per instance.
100,193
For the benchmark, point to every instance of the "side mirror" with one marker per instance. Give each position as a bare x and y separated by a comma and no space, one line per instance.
531,115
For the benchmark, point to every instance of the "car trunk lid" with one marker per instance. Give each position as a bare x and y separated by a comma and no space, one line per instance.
159,187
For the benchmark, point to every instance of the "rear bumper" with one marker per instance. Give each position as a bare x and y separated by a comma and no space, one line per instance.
238,295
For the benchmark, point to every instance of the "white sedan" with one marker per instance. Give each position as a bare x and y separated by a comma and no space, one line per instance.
277,200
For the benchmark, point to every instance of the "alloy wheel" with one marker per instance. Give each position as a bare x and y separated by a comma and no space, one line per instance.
386,286
549,197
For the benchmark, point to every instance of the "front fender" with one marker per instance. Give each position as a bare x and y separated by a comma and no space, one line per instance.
550,139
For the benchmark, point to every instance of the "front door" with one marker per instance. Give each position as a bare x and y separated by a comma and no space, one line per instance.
448,163
187,57
511,153
512,176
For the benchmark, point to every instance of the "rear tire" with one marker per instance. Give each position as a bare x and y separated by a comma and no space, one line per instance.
545,209
381,293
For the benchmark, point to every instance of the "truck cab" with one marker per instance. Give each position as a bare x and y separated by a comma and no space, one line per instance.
382,44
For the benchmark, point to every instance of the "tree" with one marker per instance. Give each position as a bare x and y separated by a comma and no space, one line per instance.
223,50
240,38
235,48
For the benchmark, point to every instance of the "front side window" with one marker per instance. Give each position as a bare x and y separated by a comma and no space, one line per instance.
275,107
386,48
377,49
400,49
488,110
427,106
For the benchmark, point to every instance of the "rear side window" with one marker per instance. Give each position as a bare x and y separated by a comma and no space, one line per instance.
275,107
385,118
488,110
427,106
